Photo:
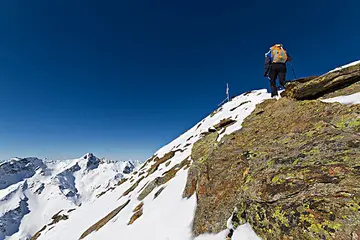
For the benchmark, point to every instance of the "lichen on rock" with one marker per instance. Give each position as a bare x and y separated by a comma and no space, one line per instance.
166,176
292,171
135,216
132,188
158,161
200,152
224,123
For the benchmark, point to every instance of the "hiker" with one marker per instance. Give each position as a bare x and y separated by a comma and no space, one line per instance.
275,66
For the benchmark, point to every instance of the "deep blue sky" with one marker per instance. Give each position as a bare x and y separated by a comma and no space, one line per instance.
123,78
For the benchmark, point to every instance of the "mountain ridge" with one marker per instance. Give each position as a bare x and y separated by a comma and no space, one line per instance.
253,168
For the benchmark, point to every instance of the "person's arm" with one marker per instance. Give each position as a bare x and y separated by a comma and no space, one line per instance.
267,63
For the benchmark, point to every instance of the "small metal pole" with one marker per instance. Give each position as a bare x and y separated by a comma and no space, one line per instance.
227,92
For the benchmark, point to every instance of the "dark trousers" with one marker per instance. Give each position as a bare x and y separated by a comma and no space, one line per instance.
277,70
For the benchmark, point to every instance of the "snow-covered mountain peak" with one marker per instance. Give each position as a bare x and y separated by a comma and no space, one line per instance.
88,155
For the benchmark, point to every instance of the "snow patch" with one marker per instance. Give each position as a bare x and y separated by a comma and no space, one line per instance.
348,99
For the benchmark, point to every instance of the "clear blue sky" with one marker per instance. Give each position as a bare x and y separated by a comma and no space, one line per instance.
123,78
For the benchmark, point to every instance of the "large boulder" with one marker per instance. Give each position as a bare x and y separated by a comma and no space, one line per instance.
315,87
292,171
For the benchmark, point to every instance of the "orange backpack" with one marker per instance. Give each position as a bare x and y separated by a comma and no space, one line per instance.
278,54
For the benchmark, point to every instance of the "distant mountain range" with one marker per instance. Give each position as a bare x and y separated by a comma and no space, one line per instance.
32,191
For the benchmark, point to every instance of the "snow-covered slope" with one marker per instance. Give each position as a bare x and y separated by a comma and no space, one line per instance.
158,186
33,191
349,99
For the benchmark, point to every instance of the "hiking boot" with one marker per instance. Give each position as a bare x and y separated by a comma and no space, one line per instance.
228,238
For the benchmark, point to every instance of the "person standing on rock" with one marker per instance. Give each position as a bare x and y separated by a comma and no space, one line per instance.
275,66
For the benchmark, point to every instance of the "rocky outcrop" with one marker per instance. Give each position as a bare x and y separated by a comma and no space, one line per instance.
66,182
129,190
159,192
166,177
92,161
58,217
129,167
104,220
135,216
138,207
224,123
315,87
138,211
292,171
40,189
158,161
55,219
200,153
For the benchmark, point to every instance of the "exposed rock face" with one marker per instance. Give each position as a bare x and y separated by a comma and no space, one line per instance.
129,168
138,211
314,87
200,153
66,181
159,192
224,123
166,177
59,217
92,161
10,221
292,171
138,207
129,190
40,189
158,161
